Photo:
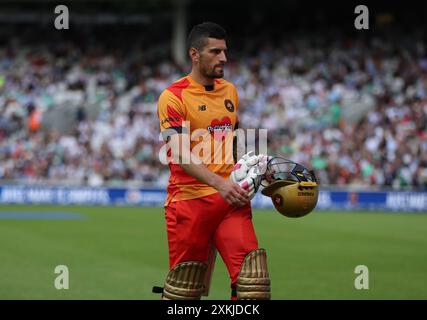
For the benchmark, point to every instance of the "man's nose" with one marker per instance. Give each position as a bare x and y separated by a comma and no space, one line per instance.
223,57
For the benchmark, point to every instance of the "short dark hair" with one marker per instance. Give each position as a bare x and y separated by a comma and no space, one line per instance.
199,34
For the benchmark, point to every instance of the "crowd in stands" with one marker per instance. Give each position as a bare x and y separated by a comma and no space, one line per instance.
354,110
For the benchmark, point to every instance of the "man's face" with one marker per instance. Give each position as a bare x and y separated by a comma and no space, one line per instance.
212,58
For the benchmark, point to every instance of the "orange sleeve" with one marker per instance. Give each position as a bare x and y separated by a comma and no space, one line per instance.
171,114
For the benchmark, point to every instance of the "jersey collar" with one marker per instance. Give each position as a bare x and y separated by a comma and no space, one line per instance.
208,88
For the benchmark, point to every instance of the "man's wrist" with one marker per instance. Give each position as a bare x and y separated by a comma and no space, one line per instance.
216,181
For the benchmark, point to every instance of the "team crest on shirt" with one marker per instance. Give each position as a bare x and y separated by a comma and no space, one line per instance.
229,105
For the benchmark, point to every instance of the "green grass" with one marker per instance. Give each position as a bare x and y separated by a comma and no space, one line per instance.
120,253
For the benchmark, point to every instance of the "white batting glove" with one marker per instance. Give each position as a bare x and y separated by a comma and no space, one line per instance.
262,163
249,171
241,168
250,182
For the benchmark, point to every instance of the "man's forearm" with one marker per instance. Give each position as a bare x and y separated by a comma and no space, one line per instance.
191,163
203,174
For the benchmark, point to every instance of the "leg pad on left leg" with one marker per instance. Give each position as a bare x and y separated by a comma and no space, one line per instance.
253,282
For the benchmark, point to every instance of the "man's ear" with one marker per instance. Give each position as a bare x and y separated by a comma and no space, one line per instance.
194,54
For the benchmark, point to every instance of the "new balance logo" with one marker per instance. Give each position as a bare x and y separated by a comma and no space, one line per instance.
202,107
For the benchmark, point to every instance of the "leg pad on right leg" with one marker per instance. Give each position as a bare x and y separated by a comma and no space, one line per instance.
185,281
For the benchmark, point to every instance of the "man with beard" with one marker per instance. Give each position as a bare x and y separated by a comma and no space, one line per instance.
205,210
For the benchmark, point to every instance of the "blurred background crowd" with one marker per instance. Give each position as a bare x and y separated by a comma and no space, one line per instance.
82,111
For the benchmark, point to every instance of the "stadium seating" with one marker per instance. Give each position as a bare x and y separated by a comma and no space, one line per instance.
355,111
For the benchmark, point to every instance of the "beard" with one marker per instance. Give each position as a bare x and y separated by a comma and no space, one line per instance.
213,73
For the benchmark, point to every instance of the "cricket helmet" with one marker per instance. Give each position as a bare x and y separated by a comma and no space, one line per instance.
292,187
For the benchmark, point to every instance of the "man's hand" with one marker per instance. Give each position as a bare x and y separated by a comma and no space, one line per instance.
233,193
